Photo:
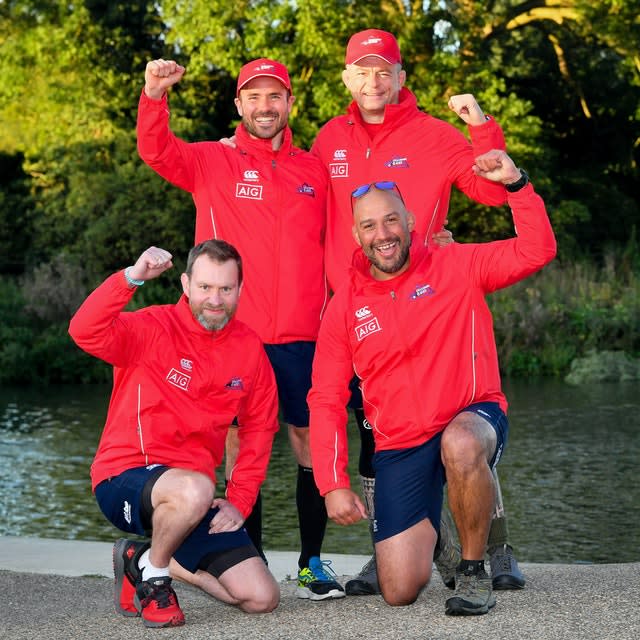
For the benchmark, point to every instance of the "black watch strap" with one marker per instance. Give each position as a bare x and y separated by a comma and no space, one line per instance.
518,184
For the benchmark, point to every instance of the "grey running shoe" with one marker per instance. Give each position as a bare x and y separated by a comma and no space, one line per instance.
447,552
366,582
473,594
505,573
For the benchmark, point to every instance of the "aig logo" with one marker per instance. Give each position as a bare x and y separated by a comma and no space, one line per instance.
179,379
251,174
339,154
367,328
339,169
250,191
362,313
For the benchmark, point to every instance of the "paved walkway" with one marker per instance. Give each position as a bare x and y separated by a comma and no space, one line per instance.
62,589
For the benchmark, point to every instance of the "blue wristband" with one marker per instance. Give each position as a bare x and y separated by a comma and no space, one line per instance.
130,280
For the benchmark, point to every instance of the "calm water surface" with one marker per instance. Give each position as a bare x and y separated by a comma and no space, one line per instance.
569,475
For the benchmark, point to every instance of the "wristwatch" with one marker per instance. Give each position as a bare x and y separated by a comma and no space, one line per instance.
518,184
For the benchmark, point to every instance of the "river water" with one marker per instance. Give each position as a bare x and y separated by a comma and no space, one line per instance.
569,475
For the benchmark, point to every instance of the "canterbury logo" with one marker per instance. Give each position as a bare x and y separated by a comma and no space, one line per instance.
340,154
363,313
250,174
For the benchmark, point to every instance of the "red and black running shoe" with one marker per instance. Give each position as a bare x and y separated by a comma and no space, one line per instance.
158,603
126,554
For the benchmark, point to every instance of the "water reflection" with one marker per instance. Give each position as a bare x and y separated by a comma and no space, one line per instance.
567,476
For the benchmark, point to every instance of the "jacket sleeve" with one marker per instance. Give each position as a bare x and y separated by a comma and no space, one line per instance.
496,265
257,426
461,157
160,149
327,400
99,326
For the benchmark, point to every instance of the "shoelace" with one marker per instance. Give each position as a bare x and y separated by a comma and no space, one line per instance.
163,595
323,571
503,559
468,584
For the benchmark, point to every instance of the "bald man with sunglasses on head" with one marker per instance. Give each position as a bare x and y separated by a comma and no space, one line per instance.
436,406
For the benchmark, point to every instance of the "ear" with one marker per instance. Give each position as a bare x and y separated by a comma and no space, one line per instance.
411,221
402,78
184,279
345,77
356,237
238,106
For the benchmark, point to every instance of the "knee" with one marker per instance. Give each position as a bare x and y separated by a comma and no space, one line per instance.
264,602
460,448
399,597
194,494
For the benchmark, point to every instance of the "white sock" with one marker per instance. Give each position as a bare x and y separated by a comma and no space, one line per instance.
149,570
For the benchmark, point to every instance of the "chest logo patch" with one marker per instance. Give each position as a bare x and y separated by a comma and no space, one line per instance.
367,328
397,163
179,379
235,383
422,290
249,191
306,190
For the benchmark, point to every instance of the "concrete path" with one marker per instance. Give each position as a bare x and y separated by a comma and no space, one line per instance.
62,589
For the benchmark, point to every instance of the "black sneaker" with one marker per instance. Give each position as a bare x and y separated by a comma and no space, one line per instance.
366,582
473,595
505,573
126,554
317,581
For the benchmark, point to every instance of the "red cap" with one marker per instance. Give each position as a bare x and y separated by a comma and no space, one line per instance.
260,68
373,42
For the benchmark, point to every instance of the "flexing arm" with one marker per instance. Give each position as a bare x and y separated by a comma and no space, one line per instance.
159,75
100,327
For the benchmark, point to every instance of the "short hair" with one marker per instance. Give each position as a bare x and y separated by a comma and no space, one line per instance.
219,251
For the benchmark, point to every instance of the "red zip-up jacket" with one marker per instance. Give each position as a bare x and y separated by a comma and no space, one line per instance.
423,155
269,204
421,343
177,388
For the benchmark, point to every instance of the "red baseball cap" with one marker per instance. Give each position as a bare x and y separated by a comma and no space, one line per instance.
373,42
263,67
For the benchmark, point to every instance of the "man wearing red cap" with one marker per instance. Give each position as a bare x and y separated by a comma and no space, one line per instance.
384,136
268,198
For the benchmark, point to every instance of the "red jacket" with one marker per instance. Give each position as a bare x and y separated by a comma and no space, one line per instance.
421,343
269,204
422,154
177,388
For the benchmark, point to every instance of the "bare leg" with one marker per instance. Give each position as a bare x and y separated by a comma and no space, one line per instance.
468,444
249,585
180,500
404,563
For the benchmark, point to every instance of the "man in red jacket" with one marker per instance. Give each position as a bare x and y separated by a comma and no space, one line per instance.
181,374
413,323
266,197
385,136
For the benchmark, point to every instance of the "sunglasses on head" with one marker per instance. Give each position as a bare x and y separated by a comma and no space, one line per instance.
382,186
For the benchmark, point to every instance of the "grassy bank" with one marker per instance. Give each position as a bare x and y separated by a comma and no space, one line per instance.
541,324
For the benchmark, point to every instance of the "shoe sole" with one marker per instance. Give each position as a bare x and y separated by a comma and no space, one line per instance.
161,625
456,607
507,583
118,571
305,594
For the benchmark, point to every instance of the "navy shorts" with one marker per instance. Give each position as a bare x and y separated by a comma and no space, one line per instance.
410,482
125,500
291,363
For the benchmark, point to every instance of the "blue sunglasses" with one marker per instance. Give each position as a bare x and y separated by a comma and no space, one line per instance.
382,186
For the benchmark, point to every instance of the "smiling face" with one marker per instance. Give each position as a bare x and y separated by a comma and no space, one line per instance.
382,227
264,105
373,84
213,291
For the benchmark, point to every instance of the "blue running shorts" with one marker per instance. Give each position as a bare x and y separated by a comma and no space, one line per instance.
291,363
125,500
410,482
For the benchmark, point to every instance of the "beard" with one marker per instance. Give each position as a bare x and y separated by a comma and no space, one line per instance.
213,324
386,266
255,130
